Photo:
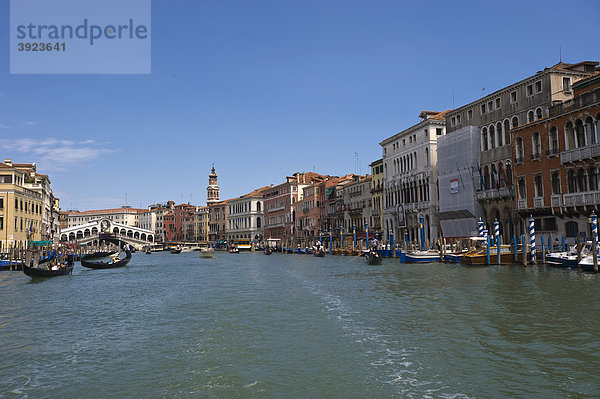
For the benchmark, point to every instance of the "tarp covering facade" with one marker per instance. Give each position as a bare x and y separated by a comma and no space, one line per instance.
458,177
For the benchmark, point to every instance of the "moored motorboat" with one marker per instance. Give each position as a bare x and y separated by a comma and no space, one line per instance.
176,250
479,256
422,257
187,249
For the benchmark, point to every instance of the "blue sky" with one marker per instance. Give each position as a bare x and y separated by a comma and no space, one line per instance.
267,88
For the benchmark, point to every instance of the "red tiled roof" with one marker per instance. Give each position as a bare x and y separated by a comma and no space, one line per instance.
116,210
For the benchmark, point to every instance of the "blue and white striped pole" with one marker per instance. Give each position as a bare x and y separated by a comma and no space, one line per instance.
595,229
354,235
532,238
497,235
480,224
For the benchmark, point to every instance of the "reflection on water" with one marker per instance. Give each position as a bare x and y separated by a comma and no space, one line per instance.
249,325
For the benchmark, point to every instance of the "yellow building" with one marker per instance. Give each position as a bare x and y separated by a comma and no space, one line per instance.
377,197
201,223
21,208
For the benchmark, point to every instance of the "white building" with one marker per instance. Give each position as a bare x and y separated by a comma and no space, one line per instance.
410,175
125,215
245,217
153,219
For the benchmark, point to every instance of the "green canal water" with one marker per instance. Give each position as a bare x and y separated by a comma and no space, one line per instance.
293,326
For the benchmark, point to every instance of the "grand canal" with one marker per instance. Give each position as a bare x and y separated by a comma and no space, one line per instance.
293,326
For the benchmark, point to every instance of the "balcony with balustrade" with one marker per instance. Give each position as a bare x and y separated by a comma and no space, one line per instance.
581,199
522,204
581,153
504,192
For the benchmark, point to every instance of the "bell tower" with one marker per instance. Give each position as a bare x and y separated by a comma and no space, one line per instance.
212,191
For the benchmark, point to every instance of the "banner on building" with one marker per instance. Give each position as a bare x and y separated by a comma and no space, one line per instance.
453,186
401,216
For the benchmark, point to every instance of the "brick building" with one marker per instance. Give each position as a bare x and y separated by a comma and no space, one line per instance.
556,162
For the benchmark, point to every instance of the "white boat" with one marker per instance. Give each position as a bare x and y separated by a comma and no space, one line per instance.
207,253
187,249
423,257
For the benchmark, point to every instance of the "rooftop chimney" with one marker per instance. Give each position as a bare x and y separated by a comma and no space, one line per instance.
8,162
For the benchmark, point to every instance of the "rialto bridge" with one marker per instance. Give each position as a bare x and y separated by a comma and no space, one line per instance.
89,233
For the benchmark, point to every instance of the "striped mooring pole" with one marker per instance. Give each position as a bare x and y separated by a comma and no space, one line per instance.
367,233
532,238
497,235
354,235
480,224
342,237
422,228
330,239
595,228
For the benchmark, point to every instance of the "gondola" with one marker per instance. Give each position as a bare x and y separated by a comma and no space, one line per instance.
268,251
175,251
106,265
97,255
319,253
33,271
373,258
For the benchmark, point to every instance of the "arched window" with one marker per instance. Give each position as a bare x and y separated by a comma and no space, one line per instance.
492,133
537,186
593,178
415,157
500,134
553,141
581,180
555,183
507,131
569,136
519,149
484,139
486,177
258,222
590,131
500,175
494,176
580,133
522,191
258,205
515,122
536,146
571,182
530,117
508,173
538,113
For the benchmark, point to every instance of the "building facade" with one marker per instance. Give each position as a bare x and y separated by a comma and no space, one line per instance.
376,219
496,114
356,196
410,172
279,205
125,215
21,208
557,165
458,182
245,220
